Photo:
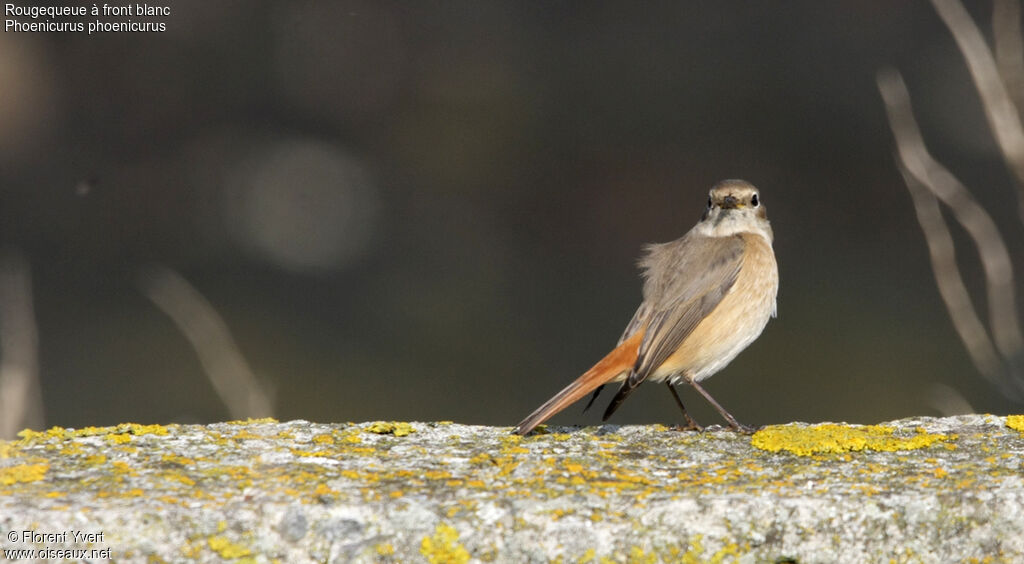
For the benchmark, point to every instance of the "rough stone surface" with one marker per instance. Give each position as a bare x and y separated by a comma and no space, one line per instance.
915,490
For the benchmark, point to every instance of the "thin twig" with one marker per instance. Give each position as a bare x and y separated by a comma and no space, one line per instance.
21,401
1002,115
225,366
948,401
995,258
951,285
1009,47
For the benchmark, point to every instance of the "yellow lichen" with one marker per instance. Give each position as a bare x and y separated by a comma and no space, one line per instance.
119,439
391,428
1015,422
637,554
507,466
71,449
177,459
867,489
511,440
23,473
122,433
695,551
121,467
557,514
191,550
8,450
136,429
28,435
227,549
386,549
443,546
180,478
350,438
90,431
728,553
324,490
251,421
831,438
245,434
360,475
323,439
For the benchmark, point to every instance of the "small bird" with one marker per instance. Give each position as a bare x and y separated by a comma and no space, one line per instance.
707,296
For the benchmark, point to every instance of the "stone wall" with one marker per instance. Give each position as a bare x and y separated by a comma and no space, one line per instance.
926,489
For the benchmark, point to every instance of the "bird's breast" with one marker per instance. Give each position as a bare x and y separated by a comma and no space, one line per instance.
737,320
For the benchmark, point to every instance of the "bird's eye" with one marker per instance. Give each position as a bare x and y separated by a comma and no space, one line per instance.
709,202
753,201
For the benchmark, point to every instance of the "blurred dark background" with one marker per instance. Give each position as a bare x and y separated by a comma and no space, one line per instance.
432,211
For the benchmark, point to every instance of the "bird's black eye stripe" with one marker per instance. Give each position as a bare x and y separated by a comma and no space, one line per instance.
753,200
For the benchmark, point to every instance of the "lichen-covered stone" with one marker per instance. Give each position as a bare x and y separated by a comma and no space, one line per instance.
927,489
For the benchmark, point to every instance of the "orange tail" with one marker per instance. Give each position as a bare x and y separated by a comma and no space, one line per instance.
616,362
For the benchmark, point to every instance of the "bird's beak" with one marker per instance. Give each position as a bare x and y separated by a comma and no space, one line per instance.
730,203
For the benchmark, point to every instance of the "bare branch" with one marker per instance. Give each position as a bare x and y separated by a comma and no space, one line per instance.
948,401
992,250
1002,115
21,401
951,286
1009,47
227,369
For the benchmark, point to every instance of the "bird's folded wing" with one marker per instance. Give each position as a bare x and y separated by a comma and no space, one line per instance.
681,289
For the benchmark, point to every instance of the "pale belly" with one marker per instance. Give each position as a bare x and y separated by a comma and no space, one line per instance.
735,323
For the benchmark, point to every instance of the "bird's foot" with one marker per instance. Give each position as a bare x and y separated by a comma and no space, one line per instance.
743,429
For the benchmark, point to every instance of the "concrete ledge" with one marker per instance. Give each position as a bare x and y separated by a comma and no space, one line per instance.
925,489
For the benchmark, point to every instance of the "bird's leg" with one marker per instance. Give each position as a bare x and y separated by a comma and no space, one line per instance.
728,416
690,423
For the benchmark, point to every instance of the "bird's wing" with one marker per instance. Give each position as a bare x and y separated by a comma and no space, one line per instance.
639,318
686,280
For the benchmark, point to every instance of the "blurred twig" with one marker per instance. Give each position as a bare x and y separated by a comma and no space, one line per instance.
1000,110
21,403
995,258
997,352
948,401
227,369
951,286
1009,47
